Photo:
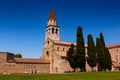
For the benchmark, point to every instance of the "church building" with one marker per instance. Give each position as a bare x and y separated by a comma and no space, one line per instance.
53,59
56,51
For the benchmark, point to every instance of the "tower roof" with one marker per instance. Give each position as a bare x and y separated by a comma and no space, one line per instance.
52,14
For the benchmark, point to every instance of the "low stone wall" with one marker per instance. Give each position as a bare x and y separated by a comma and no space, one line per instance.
8,65
9,68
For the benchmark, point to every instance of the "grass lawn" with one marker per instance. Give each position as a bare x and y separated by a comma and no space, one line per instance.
76,76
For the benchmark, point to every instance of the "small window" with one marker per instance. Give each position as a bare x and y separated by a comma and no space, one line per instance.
117,50
56,31
56,69
48,42
52,30
63,49
58,49
47,53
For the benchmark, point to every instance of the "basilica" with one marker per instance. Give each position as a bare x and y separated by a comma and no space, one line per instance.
53,59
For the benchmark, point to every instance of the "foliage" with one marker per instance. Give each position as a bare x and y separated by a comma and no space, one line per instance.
104,57
109,65
17,55
80,50
91,51
99,54
75,76
71,57
106,54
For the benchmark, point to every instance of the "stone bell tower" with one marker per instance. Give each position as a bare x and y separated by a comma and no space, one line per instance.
52,29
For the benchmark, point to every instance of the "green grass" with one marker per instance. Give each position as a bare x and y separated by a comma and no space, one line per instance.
76,76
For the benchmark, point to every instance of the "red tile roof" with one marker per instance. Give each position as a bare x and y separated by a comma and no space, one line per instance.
113,45
65,43
52,15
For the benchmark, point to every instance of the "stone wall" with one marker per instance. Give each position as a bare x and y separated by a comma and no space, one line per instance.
8,65
3,57
115,54
24,68
60,64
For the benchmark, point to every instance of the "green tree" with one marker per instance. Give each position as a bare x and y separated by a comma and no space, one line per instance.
71,57
17,55
91,51
80,50
102,40
109,65
99,54
103,54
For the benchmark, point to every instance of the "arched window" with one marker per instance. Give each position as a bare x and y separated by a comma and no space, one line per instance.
52,30
48,42
56,31
47,53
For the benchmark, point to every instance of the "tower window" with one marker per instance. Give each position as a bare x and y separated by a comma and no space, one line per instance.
56,31
48,42
52,30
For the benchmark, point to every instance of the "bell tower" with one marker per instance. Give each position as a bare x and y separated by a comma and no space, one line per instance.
52,29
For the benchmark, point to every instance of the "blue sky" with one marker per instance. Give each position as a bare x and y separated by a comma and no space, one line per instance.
23,22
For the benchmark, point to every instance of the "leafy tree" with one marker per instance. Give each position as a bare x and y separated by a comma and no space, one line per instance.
17,55
91,51
71,57
80,50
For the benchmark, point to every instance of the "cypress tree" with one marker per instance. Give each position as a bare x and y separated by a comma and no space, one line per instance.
99,54
71,57
103,53
91,51
105,60
102,40
80,50
109,65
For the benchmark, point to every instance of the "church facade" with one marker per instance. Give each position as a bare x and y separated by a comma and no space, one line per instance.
55,50
53,59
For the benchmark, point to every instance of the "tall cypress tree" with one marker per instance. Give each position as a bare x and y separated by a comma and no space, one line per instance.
107,63
71,57
103,60
91,51
99,54
80,50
